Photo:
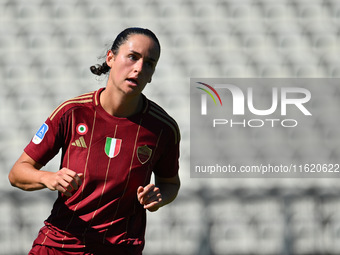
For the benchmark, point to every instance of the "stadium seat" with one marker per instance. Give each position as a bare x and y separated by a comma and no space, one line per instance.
47,47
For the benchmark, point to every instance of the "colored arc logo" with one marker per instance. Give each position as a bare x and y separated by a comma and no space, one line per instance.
209,93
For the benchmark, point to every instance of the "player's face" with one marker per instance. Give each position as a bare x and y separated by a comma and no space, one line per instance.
133,65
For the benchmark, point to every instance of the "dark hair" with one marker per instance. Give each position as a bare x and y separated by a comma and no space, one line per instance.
121,38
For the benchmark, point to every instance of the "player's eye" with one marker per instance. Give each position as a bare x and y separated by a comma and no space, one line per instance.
132,57
149,64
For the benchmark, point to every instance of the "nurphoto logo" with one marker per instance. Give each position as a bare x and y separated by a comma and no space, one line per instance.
264,127
243,101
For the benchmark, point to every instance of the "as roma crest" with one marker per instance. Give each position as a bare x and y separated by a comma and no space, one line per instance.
144,154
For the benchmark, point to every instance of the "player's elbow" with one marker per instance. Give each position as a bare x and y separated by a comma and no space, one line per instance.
15,181
12,179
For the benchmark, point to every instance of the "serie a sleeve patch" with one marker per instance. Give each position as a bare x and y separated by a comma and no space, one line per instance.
39,136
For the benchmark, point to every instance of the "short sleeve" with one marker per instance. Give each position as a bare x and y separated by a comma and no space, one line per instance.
47,141
168,164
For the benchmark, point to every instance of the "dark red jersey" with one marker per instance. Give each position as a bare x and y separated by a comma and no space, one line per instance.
116,156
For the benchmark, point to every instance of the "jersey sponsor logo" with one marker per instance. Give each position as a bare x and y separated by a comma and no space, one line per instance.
39,136
82,129
112,146
80,142
144,154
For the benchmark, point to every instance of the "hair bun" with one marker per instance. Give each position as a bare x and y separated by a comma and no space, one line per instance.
100,69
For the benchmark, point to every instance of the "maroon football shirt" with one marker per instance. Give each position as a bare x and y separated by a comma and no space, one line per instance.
116,155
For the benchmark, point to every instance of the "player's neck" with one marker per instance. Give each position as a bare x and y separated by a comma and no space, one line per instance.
120,106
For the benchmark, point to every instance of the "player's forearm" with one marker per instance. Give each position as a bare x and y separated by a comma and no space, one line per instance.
169,192
169,189
26,177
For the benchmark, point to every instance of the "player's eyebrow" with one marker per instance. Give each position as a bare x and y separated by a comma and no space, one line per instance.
140,55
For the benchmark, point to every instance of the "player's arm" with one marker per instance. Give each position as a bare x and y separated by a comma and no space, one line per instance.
26,175
164,191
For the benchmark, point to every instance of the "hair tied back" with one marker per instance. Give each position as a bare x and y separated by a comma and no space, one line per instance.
100,69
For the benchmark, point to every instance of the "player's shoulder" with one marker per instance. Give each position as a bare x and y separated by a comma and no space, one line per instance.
162,118
84,100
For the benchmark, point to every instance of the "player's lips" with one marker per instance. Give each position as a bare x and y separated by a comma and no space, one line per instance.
133,81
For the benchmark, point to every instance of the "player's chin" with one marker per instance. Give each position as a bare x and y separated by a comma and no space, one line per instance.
133,90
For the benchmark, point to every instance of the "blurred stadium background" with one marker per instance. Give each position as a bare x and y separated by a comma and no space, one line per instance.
47,47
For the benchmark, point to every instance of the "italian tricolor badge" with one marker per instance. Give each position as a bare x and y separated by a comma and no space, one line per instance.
112,147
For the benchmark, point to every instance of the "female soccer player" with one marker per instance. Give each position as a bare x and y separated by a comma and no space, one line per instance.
112,140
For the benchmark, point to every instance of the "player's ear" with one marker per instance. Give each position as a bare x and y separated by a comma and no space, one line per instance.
109,58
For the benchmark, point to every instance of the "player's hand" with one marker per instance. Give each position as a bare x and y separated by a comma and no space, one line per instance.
65,181
150,196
